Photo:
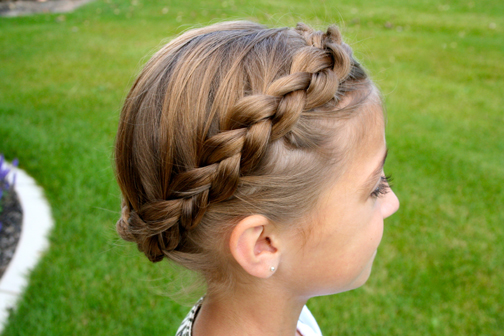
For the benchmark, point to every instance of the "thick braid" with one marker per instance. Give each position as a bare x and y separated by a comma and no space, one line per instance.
160,233
253,123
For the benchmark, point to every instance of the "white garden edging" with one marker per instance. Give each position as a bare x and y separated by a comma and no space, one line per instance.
37,222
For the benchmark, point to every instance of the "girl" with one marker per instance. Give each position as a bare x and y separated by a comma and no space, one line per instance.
255,157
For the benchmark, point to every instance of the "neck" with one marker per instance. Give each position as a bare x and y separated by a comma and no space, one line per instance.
249,311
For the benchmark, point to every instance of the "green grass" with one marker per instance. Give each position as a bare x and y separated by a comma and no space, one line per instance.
440,66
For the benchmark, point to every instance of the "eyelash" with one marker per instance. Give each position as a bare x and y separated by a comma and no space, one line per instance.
384,186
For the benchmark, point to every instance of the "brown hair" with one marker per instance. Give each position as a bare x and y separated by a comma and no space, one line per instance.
227,121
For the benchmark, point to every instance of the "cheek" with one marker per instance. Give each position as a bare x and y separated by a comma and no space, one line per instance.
367,236
365,252
367,229
340,249
376,230
358,247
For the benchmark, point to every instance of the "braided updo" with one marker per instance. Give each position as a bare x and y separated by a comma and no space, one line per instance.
227,121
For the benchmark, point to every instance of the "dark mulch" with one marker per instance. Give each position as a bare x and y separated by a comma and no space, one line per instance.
11,219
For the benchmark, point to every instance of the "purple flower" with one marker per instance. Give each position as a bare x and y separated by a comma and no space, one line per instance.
4,171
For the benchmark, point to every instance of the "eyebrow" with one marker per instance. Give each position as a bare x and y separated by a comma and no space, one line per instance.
371,181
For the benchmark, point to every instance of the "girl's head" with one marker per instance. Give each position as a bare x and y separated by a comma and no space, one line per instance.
238,137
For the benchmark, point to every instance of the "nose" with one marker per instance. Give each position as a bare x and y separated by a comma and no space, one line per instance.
390,204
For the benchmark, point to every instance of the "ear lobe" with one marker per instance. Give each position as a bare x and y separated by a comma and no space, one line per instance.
253,248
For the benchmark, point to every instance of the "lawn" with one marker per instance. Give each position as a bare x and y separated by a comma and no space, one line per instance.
440,66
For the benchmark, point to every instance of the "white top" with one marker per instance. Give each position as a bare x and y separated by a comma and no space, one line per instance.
307,325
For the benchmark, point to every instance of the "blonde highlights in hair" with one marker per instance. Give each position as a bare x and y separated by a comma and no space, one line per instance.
227,121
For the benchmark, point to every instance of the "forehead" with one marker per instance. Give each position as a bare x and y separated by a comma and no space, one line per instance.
360,135
359,143
369,129
365,150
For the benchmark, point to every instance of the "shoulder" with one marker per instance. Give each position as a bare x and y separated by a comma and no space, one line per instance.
307,324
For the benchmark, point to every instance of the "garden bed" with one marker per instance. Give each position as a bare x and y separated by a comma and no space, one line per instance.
11,219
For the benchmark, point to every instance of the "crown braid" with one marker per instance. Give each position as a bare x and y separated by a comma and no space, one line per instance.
160,226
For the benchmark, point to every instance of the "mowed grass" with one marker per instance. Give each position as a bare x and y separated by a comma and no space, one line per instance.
440,66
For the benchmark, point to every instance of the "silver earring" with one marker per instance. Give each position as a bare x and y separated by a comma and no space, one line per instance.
272,268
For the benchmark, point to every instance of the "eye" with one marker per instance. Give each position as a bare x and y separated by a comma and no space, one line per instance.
383,187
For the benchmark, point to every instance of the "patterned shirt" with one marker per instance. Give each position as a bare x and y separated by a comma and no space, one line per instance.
307,325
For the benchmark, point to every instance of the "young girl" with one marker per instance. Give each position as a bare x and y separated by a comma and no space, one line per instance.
255,157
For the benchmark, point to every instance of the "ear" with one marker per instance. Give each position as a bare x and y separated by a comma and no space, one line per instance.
253,245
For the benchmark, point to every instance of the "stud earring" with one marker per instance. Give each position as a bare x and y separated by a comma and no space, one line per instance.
272,268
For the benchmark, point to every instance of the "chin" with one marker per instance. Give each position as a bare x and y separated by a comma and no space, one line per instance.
359,280
363,276
356,283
